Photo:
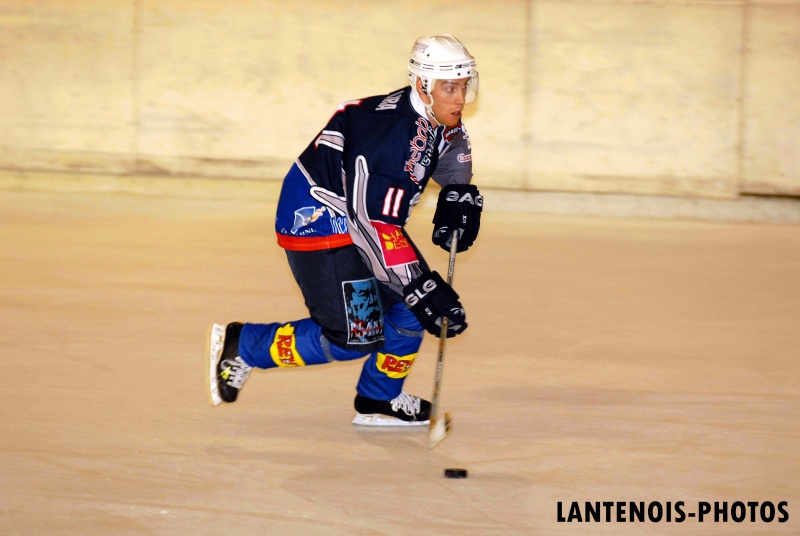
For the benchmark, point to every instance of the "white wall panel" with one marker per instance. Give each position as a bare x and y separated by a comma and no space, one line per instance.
637,97
653,97
65,84
771,130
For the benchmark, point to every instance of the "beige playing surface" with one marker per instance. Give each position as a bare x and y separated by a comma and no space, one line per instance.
606,360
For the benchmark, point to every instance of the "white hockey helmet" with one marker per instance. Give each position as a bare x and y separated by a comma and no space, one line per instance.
442,57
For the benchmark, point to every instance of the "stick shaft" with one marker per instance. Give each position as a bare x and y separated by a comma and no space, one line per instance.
443,337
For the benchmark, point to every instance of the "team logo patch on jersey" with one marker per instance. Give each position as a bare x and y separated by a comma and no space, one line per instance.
284,348
395,366
395,246
450,134
362,301
306,216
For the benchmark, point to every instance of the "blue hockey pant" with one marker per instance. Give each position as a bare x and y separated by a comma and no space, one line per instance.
351,316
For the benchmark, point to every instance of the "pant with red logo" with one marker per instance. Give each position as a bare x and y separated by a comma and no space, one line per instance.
352,316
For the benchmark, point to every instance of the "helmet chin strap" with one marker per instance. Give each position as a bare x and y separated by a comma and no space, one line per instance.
429,107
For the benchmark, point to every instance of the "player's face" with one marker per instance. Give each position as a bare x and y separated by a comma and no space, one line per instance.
449,98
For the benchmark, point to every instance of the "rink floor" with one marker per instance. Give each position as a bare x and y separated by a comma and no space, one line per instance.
606,360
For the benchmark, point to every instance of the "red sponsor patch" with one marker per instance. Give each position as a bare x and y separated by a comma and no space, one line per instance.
394,245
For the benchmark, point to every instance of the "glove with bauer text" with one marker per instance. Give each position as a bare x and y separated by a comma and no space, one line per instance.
430,298
459,207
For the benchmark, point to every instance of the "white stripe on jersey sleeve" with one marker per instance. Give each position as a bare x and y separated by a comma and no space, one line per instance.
330,138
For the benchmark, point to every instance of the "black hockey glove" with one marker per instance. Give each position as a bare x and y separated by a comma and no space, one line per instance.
430,298
459,207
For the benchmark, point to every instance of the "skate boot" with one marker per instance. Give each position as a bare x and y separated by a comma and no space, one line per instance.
227,371
405,410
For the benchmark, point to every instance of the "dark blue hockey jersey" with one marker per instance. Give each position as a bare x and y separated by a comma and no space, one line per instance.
360,178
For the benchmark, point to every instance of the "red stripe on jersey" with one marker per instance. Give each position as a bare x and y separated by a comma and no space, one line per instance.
313,243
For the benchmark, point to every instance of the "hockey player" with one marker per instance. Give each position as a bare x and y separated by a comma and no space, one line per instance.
340,218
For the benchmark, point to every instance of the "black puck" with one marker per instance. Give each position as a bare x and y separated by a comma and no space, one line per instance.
455,473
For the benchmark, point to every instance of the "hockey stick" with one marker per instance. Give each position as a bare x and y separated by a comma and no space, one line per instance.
439,429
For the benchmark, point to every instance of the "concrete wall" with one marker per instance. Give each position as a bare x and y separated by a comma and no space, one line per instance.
653,97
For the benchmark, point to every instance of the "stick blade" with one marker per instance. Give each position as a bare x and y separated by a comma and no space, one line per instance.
439,429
